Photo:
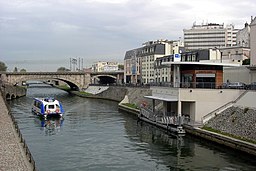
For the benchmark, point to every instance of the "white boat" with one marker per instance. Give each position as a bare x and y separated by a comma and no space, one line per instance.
47,107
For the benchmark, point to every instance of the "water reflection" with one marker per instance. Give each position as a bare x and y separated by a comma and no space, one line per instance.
50,125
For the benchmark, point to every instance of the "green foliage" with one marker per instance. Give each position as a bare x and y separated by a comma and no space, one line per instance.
62,69
23,70
120,67
131,105
85,93
246,62
15,69
3,67
64,87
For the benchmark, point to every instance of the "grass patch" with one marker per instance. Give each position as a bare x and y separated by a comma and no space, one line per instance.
131,105
227,134
64,87
84,93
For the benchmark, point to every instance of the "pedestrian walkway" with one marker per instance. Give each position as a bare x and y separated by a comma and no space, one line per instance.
12,154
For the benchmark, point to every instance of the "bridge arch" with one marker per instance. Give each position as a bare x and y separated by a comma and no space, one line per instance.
104,79
8,96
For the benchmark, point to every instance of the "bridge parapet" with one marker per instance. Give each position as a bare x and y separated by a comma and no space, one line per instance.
76,80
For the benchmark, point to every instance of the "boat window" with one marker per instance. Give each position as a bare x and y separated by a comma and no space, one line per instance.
50,106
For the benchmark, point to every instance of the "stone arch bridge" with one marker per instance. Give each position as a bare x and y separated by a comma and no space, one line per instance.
76,80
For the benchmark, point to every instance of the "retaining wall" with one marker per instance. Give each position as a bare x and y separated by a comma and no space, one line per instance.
14,151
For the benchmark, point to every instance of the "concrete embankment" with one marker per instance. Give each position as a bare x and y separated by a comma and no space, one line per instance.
228,141
13,150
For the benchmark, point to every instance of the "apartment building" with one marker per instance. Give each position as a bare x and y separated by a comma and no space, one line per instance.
208,36
132,66
139,63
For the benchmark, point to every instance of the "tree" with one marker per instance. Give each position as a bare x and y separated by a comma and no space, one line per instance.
246,62
23,70
3,67
120,67
62,69
15,69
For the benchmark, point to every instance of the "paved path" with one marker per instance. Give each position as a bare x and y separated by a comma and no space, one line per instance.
12,155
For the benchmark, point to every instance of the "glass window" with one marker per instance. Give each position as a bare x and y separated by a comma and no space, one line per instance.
50,106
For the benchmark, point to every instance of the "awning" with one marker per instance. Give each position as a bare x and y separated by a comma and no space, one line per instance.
162,98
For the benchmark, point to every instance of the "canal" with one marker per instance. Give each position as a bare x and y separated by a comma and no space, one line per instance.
94,135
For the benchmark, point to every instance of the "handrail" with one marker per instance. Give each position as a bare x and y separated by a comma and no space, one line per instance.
168,120
210,115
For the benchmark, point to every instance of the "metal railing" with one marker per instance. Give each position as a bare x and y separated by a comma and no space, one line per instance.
206,85
160,118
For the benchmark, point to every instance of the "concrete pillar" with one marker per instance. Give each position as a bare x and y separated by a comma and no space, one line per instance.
179,108
164,108
154,104
176,76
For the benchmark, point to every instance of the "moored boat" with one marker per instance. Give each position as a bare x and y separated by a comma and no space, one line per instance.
47,107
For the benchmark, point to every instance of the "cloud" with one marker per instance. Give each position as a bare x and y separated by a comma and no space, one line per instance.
103,29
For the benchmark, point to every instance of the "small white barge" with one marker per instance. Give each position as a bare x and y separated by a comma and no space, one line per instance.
47,107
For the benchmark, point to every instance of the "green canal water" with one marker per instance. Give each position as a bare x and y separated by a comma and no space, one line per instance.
94,135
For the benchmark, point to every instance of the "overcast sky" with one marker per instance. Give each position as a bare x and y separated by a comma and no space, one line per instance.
42,35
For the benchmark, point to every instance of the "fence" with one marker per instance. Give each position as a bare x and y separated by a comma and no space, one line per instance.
160,118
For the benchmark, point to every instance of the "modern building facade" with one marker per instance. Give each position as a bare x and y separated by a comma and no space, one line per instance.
208,36
199,68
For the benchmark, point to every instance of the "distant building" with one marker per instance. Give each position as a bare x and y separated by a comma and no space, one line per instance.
235,54
87,70
208,36
243,36
102,66
139,63
253,42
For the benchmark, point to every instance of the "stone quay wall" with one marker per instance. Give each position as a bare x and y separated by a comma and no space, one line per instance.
14,151
12,92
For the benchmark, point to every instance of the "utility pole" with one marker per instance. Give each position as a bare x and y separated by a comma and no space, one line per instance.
79,64
82,63
70,61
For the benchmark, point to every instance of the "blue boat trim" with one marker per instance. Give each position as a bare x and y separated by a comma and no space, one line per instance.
47,107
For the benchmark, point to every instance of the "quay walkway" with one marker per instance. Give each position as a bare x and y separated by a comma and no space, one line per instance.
13,149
